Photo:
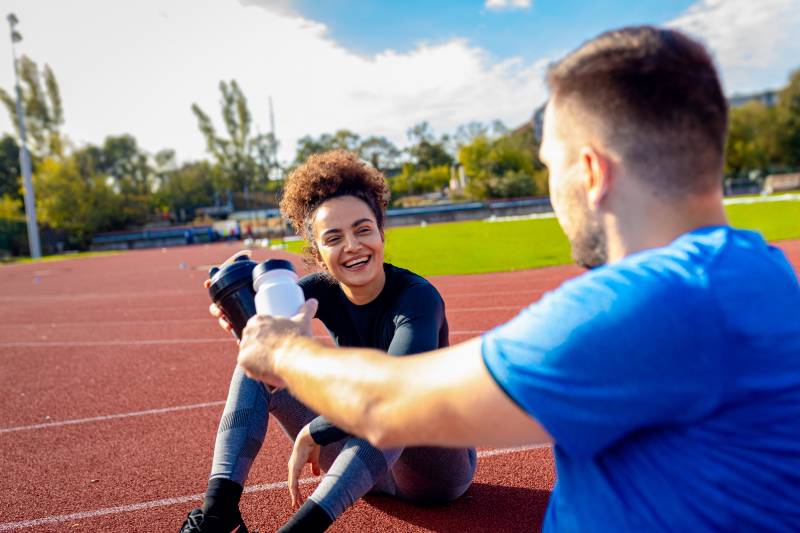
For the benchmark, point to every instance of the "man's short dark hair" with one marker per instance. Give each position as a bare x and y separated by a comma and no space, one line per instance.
656,95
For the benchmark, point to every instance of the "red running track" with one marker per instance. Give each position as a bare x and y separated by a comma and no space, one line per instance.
113,378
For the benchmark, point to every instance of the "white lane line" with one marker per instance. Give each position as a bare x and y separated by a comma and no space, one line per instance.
94,324
104,418
166,502
514,449
488,308
97,295
151,342
50,325
761,199
70,344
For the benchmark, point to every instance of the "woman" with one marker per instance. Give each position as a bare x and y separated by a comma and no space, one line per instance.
337,203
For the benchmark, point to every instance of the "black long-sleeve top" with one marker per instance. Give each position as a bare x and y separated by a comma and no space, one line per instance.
407,317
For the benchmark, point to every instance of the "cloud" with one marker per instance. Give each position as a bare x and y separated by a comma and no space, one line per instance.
144,82
281,7
507,4
750,40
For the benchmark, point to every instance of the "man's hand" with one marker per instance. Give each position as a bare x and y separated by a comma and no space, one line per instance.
305,451
264,335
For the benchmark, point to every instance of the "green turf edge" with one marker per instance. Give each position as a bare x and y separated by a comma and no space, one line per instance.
477,247
58,257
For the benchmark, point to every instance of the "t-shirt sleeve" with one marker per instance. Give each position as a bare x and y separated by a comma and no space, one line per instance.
420,317
608,354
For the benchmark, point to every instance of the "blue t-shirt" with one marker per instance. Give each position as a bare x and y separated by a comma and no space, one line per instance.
670,382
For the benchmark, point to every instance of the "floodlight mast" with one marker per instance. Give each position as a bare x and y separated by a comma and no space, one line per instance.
24,155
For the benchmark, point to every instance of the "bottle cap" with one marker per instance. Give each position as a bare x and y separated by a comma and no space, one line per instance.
229,276
272,264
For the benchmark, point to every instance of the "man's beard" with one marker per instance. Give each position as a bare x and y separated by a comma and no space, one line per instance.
588,242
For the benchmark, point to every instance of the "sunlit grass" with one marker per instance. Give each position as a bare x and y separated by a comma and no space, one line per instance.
477,246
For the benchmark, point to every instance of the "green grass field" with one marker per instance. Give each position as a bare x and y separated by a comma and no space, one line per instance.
58,257
477,246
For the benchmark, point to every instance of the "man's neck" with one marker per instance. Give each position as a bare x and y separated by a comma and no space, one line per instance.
658,223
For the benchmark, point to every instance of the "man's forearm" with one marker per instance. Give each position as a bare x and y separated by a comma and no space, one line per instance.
442,398
346,385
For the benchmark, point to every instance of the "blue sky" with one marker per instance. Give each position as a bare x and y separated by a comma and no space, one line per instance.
374,67
544,28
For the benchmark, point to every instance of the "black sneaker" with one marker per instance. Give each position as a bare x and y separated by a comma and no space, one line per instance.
197,522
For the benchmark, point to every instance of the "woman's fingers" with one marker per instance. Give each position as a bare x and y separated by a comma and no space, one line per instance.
314,460
217,313
295,468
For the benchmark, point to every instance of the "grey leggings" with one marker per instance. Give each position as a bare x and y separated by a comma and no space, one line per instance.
352,466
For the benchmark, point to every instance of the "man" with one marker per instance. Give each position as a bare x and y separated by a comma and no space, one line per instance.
667,377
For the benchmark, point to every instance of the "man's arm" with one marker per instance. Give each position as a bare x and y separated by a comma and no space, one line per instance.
445,398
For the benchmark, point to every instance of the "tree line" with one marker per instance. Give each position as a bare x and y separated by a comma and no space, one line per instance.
116,185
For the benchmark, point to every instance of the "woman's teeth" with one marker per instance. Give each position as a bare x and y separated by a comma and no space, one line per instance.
356,262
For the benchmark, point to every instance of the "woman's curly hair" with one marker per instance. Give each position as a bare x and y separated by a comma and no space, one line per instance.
329,175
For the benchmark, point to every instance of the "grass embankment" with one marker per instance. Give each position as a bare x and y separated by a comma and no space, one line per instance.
477,246
57,257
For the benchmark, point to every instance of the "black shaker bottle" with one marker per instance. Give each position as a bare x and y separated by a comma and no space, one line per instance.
232,290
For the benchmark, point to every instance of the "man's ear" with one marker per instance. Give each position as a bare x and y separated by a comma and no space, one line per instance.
597,173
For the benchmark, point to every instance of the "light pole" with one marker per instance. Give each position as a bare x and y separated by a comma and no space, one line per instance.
24,156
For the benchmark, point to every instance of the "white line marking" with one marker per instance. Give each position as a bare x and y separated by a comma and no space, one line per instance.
495,308
70,344
97,295
112,417
505,451
762,199
166,502
95,323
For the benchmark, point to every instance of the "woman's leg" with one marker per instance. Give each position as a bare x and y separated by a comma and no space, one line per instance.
358,469
241,429
431,476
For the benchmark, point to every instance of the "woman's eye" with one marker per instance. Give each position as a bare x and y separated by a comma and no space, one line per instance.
364,231
331,241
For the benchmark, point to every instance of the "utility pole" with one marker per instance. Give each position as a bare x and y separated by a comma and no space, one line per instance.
24,155
275,170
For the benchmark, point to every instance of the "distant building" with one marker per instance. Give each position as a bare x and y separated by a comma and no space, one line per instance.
782,182
768,98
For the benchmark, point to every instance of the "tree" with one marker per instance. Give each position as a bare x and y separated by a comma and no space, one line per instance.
185,188
77,204
245,160
504,167
752,143
10,183
380,152
788,111
44,114
124,168
425,151
340,140
412,180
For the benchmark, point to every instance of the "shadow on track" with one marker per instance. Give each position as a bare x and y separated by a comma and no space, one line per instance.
484,507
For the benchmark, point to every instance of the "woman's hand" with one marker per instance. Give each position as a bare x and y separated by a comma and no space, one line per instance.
215,311
305,451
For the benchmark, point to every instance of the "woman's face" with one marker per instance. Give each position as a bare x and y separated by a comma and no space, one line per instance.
349,241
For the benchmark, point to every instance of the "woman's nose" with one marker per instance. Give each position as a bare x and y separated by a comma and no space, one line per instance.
351,242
